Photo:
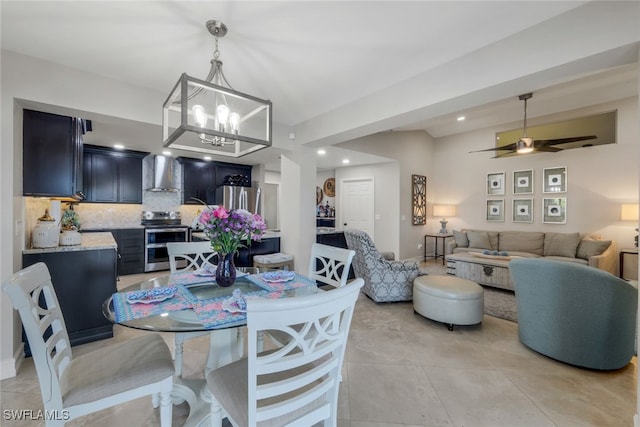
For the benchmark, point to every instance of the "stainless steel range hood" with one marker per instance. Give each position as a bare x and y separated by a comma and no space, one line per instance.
163,174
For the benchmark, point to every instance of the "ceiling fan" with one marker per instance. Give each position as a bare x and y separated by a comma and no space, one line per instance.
527,144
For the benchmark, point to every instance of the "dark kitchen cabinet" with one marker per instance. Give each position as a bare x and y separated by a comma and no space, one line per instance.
204,180
130,243
52,155
233,174
130,250
112,176
198,181
83,280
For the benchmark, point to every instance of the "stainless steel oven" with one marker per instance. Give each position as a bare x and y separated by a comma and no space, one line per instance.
156,256
161,228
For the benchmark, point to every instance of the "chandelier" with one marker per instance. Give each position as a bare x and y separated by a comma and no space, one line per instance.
209,116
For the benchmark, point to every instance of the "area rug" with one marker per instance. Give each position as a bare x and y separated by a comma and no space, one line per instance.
499,303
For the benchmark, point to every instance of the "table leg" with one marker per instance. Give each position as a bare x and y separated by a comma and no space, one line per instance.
444,239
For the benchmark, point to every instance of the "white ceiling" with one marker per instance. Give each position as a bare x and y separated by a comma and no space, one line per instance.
308,57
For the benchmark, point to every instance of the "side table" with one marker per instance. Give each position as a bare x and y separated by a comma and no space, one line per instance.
623,252
436,236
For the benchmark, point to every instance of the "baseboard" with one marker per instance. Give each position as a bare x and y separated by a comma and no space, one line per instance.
10,367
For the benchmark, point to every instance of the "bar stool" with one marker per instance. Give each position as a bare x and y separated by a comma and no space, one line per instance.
277,260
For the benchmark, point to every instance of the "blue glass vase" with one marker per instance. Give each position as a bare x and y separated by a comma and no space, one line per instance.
226,270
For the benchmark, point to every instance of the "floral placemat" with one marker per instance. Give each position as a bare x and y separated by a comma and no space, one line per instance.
212,315
126,311
298,282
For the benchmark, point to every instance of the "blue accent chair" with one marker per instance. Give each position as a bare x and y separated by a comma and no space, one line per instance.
575,314
384,280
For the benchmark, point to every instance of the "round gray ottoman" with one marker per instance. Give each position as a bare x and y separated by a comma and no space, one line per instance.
448,299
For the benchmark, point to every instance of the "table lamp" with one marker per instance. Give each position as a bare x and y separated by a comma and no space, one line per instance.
444,211
630,213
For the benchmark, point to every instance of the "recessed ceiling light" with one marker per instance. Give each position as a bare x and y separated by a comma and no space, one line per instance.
461,118
166,152
207,157
118,146
345,161
322,152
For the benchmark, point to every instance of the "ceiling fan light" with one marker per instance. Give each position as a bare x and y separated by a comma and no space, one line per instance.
524,145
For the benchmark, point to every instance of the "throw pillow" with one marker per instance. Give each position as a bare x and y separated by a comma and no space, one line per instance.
461,239
589,248
561,244
479,239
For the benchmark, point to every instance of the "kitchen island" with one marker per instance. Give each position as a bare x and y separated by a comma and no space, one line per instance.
84,276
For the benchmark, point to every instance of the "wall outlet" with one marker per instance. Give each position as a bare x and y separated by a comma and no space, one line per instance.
419,245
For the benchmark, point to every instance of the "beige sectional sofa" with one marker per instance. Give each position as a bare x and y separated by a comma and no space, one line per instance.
586,249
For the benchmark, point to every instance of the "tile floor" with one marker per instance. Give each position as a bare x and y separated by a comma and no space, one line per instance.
404,370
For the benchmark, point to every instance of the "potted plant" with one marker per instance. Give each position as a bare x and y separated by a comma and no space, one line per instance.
70,224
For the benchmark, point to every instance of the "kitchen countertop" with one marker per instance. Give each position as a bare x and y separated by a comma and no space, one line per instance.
90,241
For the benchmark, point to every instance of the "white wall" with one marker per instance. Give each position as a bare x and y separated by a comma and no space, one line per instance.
414,154
386,201
600,178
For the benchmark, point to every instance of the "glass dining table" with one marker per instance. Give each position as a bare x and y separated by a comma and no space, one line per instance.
185,302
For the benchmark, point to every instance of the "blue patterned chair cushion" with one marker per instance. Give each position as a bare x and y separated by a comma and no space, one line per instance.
384,280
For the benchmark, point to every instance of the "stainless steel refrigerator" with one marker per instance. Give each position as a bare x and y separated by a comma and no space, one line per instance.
262,200
241,198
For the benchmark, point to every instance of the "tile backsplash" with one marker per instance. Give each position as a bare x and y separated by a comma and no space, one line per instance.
110,215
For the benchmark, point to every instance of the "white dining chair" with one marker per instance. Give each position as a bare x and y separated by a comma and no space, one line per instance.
195,254
295,385
73,387
330,265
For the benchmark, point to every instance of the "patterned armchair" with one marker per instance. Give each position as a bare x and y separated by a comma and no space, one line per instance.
384,281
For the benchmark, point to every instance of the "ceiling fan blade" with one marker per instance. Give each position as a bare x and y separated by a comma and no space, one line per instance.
548,149
508,147
563,140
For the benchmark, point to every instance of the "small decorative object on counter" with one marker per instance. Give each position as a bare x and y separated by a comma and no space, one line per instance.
46,233
70,225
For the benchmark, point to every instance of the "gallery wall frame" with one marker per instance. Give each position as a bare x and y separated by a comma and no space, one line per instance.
522,210
523,181
495,184
419,199
554,180
554,210
495,210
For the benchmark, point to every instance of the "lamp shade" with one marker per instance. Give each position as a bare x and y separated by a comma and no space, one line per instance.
629,212
444,210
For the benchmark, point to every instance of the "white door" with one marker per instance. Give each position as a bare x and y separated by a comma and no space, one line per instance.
357,204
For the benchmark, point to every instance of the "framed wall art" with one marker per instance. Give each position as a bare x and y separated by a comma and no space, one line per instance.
523,182
419,199
554,180
522,210
495,184
554,210
495,210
